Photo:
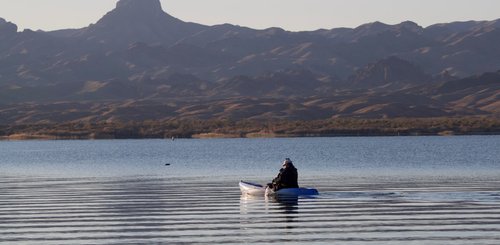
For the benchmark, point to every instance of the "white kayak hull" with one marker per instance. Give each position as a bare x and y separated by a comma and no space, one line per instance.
259,190
252,189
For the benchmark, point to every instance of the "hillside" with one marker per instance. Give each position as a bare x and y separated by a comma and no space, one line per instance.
140,63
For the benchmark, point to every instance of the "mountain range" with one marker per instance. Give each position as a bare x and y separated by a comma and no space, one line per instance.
140,63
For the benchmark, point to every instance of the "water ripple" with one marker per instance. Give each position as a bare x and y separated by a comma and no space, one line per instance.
194,211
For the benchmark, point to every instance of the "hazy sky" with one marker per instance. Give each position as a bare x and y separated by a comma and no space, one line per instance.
292,15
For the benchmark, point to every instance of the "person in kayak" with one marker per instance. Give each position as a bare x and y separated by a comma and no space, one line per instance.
287,177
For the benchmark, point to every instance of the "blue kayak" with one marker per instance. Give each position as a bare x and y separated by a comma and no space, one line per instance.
252,189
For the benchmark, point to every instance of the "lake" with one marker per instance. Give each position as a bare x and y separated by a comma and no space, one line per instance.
373,190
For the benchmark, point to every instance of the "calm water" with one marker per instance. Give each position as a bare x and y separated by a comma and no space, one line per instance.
400,190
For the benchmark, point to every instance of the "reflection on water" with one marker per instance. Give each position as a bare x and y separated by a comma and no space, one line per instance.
179,211
288,207
289,204
420,190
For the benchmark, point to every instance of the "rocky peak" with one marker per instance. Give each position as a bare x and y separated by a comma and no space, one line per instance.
145,12
7,27
374,27
370,29
138,21
410,26
143,7
129,13
379,27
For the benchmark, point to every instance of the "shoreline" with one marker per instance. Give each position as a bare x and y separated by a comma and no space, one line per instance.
215,129
20,137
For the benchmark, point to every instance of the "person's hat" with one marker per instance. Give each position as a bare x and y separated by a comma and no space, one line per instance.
287,160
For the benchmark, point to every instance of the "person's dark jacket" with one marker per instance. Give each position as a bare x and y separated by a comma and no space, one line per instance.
287,178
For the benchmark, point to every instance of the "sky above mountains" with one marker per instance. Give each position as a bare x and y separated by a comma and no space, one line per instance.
294,15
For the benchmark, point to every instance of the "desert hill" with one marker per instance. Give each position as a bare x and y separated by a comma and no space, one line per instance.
140,63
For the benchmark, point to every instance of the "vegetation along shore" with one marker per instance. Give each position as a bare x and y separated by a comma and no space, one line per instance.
252,129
